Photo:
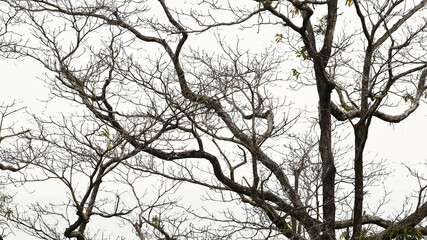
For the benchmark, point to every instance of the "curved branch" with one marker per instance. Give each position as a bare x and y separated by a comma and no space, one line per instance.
366,219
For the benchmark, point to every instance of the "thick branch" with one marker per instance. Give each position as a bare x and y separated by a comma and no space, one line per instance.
410,221
366,219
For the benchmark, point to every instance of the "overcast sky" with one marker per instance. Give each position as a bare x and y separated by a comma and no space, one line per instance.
398,143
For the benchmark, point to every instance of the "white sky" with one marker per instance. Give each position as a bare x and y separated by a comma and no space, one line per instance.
398,143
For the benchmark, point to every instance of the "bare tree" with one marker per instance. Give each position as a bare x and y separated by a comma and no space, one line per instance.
157,106
8,162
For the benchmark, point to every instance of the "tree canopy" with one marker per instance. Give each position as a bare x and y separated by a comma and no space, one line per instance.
168,100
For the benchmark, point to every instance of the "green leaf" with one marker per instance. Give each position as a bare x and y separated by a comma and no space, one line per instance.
295,12
279,37
26,132
295,73
365,234
345,235
105,132
347,107
408,97
320,28
215,188
8,214
302,53
406,233
156,221
348,2
4,211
